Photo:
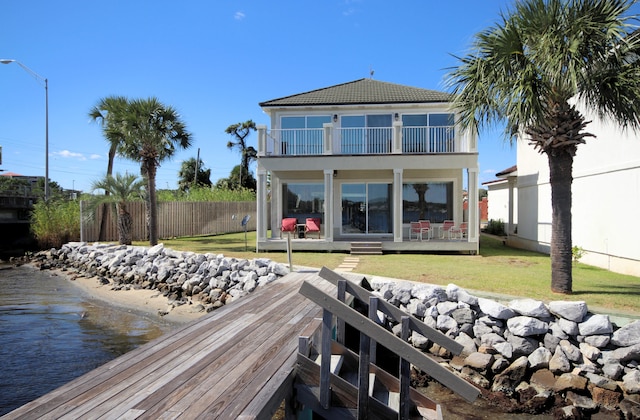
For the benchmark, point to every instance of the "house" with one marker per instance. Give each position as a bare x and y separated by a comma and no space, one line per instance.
366,158
502,196
605,193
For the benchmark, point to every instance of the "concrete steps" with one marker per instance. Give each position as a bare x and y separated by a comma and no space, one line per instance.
366,248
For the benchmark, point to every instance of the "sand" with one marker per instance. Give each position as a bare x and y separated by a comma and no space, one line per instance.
151,302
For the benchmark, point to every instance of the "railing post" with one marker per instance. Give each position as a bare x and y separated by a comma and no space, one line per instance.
342,291
328,138
405,374
397,137
373,315
262,139
325,360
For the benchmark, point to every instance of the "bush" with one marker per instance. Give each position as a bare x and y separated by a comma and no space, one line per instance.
200,194
55,222
495,227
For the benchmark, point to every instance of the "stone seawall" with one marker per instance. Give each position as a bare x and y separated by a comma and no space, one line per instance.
526,355
529,356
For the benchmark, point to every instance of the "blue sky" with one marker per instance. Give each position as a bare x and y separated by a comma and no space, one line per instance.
214,61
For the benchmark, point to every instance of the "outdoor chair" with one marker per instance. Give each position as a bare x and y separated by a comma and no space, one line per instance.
414,229
458,232
444,229
425,228
312,224
289,224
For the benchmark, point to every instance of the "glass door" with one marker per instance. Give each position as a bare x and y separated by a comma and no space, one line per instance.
366,208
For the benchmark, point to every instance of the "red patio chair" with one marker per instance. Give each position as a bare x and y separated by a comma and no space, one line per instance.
289,224
414,229
444,229
312,224
425,228
458,232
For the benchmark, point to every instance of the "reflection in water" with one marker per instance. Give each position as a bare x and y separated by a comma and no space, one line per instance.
51,333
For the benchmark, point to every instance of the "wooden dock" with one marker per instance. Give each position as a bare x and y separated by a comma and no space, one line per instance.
236,362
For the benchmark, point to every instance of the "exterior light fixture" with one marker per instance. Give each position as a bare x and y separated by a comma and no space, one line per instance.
396,116
335,117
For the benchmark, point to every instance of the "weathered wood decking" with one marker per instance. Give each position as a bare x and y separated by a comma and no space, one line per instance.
237,362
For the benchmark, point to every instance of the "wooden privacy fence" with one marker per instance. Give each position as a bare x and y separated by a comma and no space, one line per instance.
175,219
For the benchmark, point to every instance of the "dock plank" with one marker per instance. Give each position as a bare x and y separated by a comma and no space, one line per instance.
230,362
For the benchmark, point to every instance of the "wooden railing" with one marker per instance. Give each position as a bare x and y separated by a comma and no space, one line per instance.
332,386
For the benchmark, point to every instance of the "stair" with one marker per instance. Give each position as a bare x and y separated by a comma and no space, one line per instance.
366,248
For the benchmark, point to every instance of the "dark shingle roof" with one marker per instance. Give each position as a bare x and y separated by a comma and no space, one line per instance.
359,92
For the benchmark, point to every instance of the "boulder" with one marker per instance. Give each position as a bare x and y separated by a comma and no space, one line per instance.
530,307
572,310
495,309
479,361
539,358
509,378
631,382
627,335
595,325
559,363
569,381
525,326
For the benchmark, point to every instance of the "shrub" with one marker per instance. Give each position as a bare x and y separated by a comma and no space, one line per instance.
495,227
55,222
199,194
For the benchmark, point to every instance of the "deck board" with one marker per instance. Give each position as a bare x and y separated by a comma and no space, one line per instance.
225,364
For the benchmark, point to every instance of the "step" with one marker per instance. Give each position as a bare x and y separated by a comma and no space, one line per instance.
366,248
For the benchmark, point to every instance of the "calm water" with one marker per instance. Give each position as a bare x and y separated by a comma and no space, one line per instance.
51,332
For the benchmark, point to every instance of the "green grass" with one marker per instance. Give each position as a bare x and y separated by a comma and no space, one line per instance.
497,270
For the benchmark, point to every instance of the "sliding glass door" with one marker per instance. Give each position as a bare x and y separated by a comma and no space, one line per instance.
366,208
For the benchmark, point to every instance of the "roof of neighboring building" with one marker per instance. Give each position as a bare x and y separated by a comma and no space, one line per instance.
508,171
10,174
358,92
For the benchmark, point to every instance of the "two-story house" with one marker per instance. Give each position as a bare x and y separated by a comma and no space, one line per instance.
367,158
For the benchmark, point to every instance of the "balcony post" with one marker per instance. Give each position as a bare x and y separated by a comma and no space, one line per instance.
262,139
397,137
328,205
261,210
328,138
397,205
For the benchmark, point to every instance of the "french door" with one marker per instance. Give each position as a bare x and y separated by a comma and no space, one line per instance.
366,208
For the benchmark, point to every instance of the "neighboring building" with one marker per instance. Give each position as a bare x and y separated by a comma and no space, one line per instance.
606,198
366,158
502,195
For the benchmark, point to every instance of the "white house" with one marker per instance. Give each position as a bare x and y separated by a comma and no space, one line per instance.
606,198
502,194
366,158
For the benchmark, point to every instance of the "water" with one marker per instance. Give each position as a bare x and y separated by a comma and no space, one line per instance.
51,332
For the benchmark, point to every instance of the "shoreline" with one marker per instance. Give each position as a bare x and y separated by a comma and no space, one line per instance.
147,302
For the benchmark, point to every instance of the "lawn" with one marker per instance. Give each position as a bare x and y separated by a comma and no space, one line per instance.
497,270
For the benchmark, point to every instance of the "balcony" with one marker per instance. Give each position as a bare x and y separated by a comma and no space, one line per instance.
331,140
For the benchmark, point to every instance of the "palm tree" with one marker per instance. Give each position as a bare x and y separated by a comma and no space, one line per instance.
107,111
122,189
531,69
240,131
152,131
188,177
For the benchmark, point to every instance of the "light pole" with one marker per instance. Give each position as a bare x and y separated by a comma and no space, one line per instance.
46,124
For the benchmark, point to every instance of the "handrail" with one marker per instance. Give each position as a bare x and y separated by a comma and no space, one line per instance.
405,350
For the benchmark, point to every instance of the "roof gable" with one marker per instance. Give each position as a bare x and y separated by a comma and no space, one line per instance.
360,92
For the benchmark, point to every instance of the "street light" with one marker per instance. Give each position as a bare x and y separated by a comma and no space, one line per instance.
46,126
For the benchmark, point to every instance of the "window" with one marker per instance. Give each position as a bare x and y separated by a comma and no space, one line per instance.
302,135
428,133
427,201
366,208
302,200
366,134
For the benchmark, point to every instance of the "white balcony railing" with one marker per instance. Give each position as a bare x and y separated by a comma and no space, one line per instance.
364,141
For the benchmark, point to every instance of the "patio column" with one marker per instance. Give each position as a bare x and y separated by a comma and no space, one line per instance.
473,228
328,205
261,210
276,206
397,205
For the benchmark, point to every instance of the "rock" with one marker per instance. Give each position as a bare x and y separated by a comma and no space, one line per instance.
580,401
601,381
599,341
445,323
525,326
595,325
627,335
567,413
572,352
630,409
571,310
606,398
589,351
495,309
504,348
543,379
418,340
446,308
479,361
467,342
612,370
569,381
522,346
463,316
508,380
568,327
623,354
499,365
530,307
475,377
559,362
631,382
539,359
551,342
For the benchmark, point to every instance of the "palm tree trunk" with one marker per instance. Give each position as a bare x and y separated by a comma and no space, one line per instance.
104,221
561,178
124,225
152,204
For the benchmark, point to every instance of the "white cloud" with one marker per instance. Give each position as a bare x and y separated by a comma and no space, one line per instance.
239,15
95,156
69,154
